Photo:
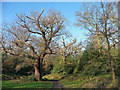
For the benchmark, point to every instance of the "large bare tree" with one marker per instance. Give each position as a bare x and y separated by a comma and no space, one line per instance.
32,36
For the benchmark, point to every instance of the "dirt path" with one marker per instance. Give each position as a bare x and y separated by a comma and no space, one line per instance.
57,84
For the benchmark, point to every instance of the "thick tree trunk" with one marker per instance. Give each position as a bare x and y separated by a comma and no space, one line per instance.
38,68
37,74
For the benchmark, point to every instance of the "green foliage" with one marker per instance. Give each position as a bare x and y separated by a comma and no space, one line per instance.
77,63
48,69
93,63
9,64
70,65
4,56
58,68
69,68
13,65
117,63
26,70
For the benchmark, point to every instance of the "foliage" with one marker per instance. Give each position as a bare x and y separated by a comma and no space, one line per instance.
13,67
92,62
117,63
48,69
58,68
9,64
77,63
4,56
70,65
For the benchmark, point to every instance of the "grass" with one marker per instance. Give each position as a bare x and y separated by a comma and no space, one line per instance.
19,84
69,81
77,81
73,81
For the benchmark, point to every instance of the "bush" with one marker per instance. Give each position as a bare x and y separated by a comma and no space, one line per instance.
58,69
47,70
69,68
93,63
13,65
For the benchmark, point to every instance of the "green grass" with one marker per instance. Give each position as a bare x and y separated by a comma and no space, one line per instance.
77,81
69,81
17,84
72,84
73,81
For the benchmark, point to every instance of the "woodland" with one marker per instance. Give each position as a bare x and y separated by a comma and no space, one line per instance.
38,52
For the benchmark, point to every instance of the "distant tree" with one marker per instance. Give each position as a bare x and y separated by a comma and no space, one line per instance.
31,37
69,49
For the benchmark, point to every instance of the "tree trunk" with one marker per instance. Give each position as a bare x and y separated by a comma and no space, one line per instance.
38,68
112,66
98,40
64,60
111,60
37,74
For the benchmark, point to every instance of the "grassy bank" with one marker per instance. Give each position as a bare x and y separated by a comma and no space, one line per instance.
77,81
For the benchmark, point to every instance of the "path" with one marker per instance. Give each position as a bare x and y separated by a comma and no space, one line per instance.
57,84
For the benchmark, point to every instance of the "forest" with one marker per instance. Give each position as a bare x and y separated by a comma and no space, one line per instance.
37,51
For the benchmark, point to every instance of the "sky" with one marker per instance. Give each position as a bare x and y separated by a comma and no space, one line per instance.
10,9
68,9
